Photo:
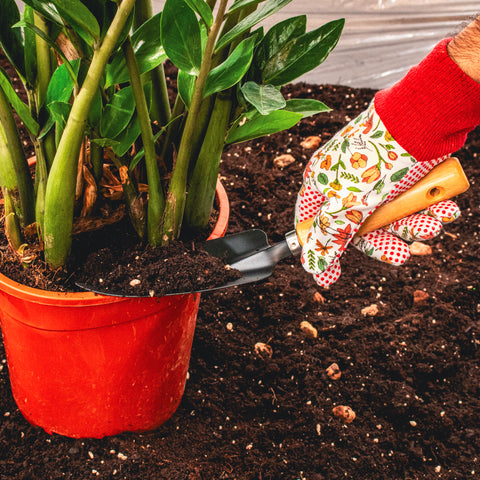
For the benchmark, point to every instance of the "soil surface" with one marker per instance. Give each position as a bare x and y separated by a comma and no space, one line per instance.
410,372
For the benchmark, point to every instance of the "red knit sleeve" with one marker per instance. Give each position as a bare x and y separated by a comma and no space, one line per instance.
431,110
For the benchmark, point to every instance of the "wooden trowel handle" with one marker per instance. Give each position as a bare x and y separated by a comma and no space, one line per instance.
444,181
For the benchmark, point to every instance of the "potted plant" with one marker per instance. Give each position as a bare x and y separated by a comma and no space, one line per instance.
97,105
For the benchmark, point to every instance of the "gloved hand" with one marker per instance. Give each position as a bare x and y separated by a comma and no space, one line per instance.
358,170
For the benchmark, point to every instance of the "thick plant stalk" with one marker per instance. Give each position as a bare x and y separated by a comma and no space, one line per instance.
15,179
44,74
176,195
161,105
156,201
201,187
60,193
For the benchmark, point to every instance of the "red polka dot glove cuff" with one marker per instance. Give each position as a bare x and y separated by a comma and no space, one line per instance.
354,173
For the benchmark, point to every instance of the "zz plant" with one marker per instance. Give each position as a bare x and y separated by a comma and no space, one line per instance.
96,94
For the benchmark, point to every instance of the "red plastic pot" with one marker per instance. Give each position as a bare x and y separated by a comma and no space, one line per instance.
86,365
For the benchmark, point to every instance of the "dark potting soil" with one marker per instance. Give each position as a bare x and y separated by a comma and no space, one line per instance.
410,372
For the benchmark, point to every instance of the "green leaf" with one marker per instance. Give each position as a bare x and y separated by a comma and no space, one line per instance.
148,49
239,4
46,9
377,134
61,84
262,125
345,145
127,137
22,110
181,36
30,51
59,112
203,10
274,41
269,8
186,85
118,113
265,98
232,70
95,114
302,54
322,178
306,106
11,39
79,17
399,175
354,189
105,142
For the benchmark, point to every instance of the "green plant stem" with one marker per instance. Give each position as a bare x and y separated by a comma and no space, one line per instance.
60,193
173,133
41,177
156,201
96,158
160,109
44,74
15,178
176,196
201,188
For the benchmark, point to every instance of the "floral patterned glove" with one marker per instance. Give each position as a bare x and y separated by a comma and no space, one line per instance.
358,170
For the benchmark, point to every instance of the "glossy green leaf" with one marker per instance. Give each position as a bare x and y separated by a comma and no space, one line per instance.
302,54
203,10
181,38
186,85
95,114
118,113
60,112
232,70
61,84
148,49
80,18
268,8
275,40
306,106
21,108
239,4
261,125
46,9
11,39
127,137
30,52
265,98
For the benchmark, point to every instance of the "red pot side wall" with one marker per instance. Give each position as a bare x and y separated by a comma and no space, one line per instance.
86,365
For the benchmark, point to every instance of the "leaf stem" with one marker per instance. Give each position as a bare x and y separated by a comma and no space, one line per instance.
156,201
176,196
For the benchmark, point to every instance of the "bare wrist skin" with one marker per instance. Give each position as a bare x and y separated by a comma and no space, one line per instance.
464,49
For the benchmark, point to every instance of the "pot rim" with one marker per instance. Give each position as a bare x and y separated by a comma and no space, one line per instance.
79,298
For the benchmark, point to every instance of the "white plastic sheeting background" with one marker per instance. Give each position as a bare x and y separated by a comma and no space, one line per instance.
382,39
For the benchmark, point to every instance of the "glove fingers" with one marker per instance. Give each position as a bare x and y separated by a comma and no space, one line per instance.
416,227
329,276
309,202
383,246
445,211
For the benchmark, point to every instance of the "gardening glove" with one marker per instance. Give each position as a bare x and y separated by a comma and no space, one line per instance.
405,132
389,244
